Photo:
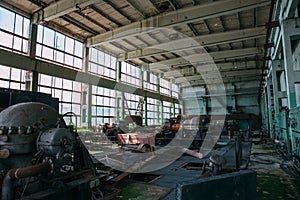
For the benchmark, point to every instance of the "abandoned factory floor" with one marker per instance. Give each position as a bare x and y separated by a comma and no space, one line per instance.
275,178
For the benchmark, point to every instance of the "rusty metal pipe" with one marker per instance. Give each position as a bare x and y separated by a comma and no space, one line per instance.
30,170
16,173
192,153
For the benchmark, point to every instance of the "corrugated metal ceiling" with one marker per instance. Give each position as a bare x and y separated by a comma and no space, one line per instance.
89,20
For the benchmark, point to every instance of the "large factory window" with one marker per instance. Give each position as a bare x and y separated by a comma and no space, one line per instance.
150,81
164,86
68,92
130,74
103,105
175,90
12,78
102,64
167,110
55,47
152,111
131,103
14,31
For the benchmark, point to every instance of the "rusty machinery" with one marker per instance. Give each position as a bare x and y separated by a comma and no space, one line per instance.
197,127
43,158
168,131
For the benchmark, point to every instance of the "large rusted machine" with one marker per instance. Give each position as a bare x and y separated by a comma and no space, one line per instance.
43,158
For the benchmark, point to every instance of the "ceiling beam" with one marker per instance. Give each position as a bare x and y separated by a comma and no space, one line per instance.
231,80
205,57
96,22
133,5
100,12
196,42
222,67
216,75
178,17
60,8
128,18
79,24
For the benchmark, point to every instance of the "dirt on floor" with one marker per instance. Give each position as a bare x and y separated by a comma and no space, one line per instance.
274,174
140,191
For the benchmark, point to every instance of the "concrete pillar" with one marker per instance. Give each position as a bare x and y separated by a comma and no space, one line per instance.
289,28
206,106
120,99
146,111
31,82
286,28
276,64
86,92
269,108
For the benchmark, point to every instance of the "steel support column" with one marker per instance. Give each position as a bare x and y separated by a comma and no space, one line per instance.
276,64
269,109
86,103
287,28
32,76
290,28
120,100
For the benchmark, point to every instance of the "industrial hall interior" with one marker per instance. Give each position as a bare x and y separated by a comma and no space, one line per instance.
150,99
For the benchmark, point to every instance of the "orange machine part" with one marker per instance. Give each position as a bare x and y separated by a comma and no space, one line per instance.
109,126
175,127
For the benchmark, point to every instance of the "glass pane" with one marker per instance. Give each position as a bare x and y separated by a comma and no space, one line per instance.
15,86
76,97
67,84
57,94
65,108
26,27
113,62
78,63
78,48
40,34
15,74
93,68
45,80
6,39
93,55
66,96
25,46
69,45
48,37
69,60
76,110
101,58
17,43
7,19
59,56
45,90
4,84
47,53
4,72
77,86
57,82
38,50
107,60
60,41
18,25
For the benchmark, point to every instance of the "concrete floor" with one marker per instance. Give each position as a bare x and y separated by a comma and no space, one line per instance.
272,181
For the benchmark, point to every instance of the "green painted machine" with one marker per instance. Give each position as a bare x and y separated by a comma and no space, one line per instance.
287,134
